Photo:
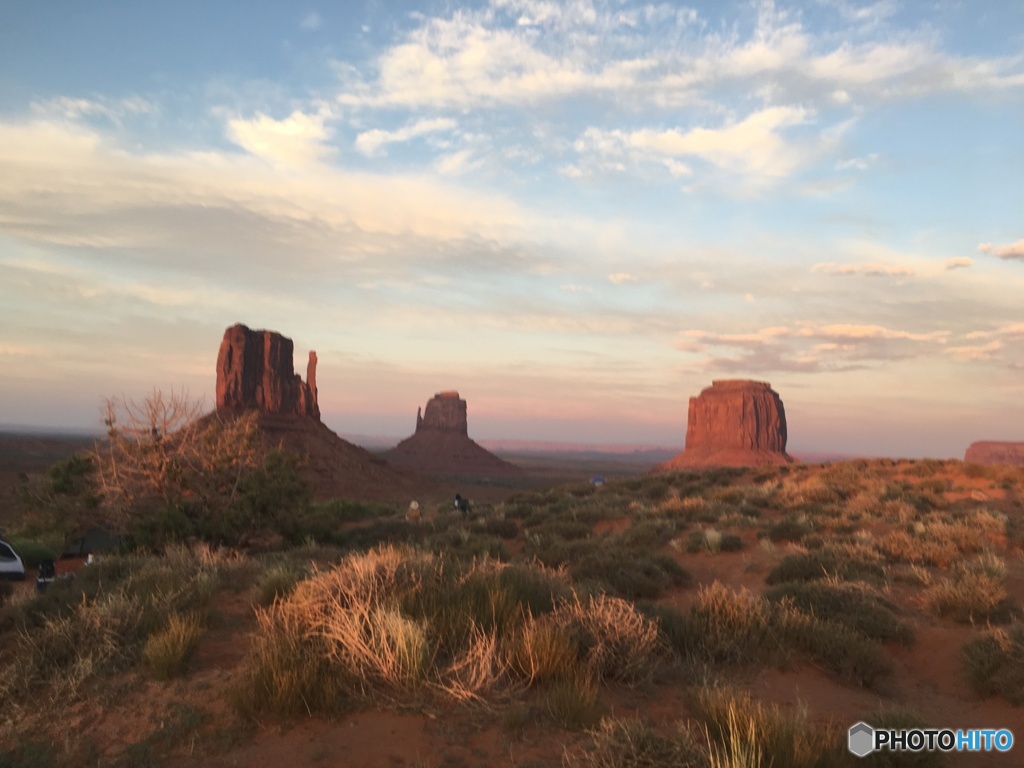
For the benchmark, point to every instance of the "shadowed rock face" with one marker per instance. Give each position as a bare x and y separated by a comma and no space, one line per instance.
734,423
992,452
441,444
255,370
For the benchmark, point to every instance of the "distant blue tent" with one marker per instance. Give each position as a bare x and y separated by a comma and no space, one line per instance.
597,480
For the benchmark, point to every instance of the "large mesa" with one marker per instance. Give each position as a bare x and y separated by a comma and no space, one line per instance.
441,444
734,423
995,452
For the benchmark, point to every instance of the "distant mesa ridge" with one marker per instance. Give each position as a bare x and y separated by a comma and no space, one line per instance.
255,370
441,444
734,423
995,452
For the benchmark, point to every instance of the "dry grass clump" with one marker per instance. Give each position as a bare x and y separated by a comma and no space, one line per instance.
727,627
616,641
995,662
394,621
168,650
632,743
974,593
743,732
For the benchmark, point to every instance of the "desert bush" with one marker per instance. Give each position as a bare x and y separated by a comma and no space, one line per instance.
744,732
994,662
856,606
614,639
849,564
279,580
628,572
101,621
647,534
969,596
840,649
789,529
633,743
723,626
168,650
164,473
287,670
731,543
572,702
501,527
6,592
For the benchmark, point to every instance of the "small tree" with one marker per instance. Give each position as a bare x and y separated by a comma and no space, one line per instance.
168,472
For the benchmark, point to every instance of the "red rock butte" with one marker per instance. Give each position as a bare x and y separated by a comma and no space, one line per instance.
441,444
734,423
993,452
255,371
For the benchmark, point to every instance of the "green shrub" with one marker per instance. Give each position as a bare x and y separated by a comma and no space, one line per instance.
168,650
277,581
790,529
824,563
995,662
856,606
572,703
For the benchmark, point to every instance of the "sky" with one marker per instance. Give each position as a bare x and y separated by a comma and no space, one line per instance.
576,214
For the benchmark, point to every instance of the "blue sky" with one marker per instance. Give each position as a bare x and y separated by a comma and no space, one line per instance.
577,214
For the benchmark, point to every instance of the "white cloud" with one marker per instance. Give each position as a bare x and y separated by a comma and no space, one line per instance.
621,277
976,352
1013,251
73,109
958,262
374,141
298,141
866,270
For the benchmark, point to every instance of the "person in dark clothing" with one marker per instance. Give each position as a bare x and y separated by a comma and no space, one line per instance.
462,505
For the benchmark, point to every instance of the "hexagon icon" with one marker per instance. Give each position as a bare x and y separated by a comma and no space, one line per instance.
861,739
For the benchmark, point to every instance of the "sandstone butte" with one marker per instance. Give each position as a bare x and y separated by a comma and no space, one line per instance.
993,452
441,444
734,423
255,371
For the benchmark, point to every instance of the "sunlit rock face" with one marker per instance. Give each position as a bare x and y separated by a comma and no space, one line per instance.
734,423
255,370
994,452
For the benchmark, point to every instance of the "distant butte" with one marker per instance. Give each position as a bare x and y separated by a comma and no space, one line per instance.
734,423
992,452
441,444
255,371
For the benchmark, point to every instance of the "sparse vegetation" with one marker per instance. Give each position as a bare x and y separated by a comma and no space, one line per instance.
995,662
529,609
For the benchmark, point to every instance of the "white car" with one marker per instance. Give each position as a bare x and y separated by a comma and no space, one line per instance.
11,567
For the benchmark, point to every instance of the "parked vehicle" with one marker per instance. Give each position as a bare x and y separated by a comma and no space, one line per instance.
11,566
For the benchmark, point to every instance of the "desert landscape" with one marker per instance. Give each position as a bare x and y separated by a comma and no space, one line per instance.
270,599
527,383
